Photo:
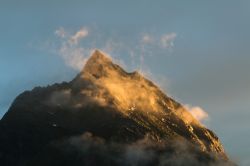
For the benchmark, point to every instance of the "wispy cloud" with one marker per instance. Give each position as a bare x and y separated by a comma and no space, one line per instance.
167,40
74,57
146,151
150,45
60,32
198,113
73,54
164,41
82,33
75,48
147,39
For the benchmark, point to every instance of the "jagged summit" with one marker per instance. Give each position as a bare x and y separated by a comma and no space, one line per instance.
98,64
97,58
101,65
117,107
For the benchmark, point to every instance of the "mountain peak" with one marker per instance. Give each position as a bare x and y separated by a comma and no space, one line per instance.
113,105
98,57
97,63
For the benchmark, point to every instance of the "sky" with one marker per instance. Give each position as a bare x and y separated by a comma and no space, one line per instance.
196,51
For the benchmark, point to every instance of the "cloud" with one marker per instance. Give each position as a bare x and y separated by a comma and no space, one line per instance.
87,149
198,113
82,33
164,41
167,40
75,48
60,98
147,39
60,32
74,57
73,54
150,44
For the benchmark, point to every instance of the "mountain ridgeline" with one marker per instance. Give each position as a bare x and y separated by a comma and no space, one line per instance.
104,116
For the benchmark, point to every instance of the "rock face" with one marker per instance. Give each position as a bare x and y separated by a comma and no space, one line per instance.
104,116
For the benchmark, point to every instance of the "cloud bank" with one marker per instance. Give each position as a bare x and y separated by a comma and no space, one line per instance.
87,149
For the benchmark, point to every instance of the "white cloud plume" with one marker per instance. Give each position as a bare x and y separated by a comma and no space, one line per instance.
167,40
198,113
76,47
60,32
74,57
70,50
147,39
82,33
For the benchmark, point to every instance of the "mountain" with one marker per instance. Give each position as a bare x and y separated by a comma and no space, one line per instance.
104,116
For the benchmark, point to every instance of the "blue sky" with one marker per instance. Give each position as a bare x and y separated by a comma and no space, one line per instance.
205,63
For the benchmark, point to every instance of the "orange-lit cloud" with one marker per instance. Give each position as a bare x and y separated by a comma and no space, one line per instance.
198,113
